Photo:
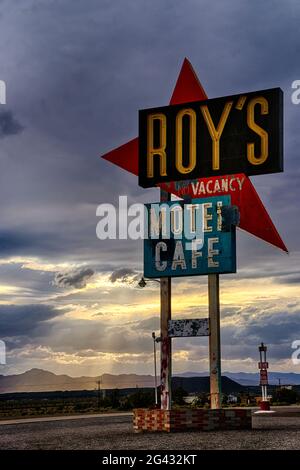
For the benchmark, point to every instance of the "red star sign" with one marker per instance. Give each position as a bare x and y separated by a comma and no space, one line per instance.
254,217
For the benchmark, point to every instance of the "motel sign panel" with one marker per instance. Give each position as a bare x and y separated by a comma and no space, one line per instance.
222,136
177,256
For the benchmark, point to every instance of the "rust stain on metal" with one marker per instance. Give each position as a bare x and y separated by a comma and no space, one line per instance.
185,328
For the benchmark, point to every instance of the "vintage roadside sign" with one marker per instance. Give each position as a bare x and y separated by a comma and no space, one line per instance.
254,217
218,144
186,328
177,255
233,134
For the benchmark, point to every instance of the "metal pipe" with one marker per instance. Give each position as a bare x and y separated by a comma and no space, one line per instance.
155,372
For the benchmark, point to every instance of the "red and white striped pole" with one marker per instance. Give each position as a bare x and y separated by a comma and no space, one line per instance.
263,366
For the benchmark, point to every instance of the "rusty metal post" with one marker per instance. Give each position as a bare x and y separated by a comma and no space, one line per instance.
165,316
155,371
214,341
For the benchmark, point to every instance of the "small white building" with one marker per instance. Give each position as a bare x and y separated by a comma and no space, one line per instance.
232,398
189,399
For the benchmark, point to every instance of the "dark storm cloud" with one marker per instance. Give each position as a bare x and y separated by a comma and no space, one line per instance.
240,339
26,320
32,284
41,242
125,275
99,73
274,328
76,278
105,61
9,125
15,242
289,279
150,324
278,330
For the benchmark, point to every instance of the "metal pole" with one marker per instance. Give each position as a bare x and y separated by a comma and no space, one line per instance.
214,341
155,372
98,393
165,316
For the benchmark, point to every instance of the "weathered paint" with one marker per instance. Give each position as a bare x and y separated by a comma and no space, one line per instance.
264,377
185,328
263,365
174,257
214,341
166,345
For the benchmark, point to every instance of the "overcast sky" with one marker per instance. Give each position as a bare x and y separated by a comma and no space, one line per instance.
77,72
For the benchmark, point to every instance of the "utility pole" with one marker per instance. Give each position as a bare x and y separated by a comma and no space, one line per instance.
214,341
98,392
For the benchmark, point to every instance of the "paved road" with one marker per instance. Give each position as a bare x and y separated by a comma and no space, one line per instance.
61,418
115,432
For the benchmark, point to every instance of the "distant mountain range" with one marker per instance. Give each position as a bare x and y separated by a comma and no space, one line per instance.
38,380
202,384
252,378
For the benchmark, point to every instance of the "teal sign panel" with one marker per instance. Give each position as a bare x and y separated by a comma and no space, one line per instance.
167,252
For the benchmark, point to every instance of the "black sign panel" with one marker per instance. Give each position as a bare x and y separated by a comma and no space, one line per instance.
233,134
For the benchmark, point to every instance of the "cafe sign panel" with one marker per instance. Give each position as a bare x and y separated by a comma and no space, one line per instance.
170,250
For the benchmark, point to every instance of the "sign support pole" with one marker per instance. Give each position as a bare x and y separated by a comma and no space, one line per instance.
214,341
165,316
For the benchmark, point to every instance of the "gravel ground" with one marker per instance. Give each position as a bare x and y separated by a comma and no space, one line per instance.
111,433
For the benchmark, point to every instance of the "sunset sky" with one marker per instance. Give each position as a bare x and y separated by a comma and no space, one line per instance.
77,72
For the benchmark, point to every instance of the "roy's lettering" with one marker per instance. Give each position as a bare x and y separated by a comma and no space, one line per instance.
235,134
